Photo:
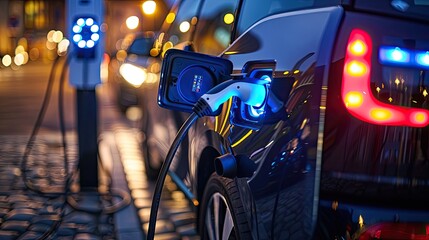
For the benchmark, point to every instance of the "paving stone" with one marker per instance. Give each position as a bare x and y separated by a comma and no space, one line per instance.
39,227
144,214
22,214
4,212
4,189
183,218
162,226
47,210
178,210
67,229
17,226
171,204
141,193
18,198
80,218
106,229
46,219
189,230
28,205
30,235
6,235
143,203
137,185
86,236
196,237
167,236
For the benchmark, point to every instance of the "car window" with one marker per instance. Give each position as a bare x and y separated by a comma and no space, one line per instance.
183,22
213,31
254,10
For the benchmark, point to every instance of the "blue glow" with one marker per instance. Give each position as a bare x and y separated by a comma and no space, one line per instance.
77,29
77,38
90,43
266,78
80,22
94,28
81,43
422,58
95,37
89,22
394,55
256,112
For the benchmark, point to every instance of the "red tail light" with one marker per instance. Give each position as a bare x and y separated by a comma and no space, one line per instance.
357,95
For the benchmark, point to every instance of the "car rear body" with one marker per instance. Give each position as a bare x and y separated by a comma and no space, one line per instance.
375,165
346,156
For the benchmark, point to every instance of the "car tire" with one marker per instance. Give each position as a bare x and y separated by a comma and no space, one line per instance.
221,200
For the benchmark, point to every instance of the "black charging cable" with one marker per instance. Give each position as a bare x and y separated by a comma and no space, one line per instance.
201,108
68,199
163,173
36,128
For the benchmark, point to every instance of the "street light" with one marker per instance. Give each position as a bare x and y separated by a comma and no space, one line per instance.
149,7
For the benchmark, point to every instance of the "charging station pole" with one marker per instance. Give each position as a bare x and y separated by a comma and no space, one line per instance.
83,23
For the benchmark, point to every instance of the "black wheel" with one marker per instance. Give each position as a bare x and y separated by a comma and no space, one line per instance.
222,214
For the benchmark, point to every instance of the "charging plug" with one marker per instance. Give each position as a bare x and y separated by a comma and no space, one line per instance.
251,91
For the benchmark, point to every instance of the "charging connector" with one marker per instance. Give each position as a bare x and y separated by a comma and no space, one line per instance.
251,91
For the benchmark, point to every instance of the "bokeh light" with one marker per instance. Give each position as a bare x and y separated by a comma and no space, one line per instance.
57,36
18,59
228,18
50,35
184,26
149,7
170,18
6,60
132,22
63,46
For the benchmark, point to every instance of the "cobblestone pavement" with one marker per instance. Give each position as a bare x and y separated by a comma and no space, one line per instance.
176,220
39,209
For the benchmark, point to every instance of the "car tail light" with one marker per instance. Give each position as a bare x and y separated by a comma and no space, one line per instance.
356,91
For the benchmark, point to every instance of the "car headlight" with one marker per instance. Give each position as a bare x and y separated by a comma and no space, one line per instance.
132,74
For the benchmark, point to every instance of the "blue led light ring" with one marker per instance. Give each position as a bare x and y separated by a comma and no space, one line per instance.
86,32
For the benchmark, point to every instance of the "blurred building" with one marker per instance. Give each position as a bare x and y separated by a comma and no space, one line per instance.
27,22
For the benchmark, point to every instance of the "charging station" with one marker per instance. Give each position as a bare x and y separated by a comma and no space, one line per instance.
83,25
86,51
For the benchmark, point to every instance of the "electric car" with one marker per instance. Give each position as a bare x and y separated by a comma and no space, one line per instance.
340,148
134,66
